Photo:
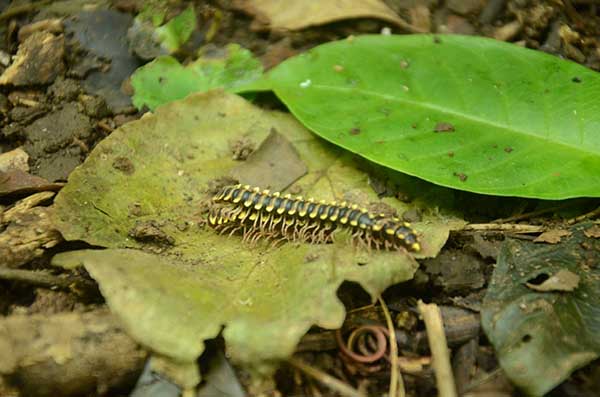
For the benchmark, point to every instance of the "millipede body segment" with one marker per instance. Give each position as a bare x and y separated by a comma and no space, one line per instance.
260,213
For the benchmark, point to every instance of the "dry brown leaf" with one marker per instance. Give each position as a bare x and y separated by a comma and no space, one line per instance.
563,280
28,230
15,159
592,232
296,15
552,236
15,181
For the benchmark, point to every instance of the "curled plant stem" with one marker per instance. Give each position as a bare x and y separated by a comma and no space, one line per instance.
347,348
325,379
439,349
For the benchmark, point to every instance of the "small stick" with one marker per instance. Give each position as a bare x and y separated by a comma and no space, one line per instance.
506,227
396,381
38,278
326,379
439,349
531,214
583,217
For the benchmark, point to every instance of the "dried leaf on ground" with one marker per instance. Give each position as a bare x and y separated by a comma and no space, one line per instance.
562,280
14,159
39,60
593,232
541,337
263,166
156,170
552,236
15,181
296,15
27,231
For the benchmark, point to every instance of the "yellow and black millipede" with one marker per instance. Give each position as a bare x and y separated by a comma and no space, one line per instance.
261,214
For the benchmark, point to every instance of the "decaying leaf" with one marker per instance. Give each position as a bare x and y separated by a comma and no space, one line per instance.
265,297
542,335
262,167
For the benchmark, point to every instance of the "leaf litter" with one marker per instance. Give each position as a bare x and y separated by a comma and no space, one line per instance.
266,298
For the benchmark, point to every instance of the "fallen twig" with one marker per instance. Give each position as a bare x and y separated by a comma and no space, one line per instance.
326,379
439,349
585,216
505,227
44,279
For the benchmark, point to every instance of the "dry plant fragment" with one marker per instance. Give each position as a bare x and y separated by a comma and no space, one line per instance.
28,230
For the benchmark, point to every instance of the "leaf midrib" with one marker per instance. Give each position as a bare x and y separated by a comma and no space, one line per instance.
429,106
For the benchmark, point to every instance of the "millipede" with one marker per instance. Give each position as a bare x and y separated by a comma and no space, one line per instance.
258,213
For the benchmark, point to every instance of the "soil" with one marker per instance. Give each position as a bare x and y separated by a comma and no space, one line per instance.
65,87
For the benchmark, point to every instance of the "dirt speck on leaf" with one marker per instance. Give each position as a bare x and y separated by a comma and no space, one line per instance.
241,148
124,165
443,127
463,177
150,232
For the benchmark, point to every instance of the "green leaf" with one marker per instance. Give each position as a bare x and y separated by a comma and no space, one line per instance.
542,309
153,11
150,175
464,112
178,30
165,79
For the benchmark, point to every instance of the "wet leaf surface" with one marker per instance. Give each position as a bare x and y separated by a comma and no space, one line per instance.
156,170
463,112
542,336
